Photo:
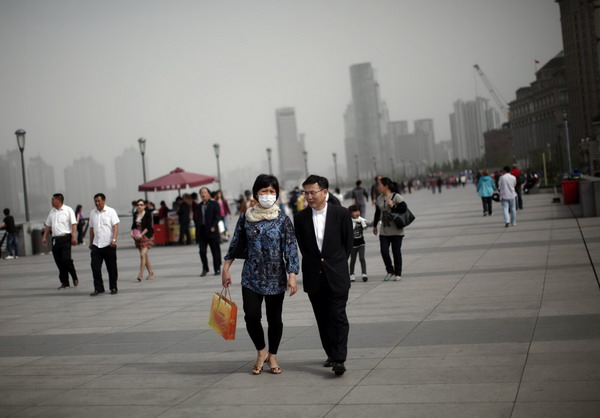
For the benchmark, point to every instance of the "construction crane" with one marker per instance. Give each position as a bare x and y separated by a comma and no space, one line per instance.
492,91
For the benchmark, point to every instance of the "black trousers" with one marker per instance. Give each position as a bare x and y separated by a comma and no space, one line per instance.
519,202
487,204
206,240
109,255
61,250
330,312
253,316
396,242
184,229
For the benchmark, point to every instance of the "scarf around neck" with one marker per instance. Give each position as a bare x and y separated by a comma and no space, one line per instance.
257,213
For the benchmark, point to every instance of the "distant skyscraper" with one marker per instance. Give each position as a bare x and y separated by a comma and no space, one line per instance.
368,115
412,152
11,184
83,180
128,171
40,186
424,131
351,144
468,123
290,147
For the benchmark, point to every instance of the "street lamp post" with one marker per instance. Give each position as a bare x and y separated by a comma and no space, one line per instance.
403,168
217,148
568,142
356,162
21,143
142,144
305,162
375,165
337,182
269,150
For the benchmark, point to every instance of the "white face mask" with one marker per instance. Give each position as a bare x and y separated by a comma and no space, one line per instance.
267,200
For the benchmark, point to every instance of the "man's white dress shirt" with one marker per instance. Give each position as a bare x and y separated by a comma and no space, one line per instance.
103,222
318,217
61,220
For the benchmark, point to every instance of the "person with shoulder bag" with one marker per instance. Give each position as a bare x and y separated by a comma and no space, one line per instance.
387,203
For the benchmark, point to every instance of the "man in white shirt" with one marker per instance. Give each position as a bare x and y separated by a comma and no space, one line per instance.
62,222
506,187
104,229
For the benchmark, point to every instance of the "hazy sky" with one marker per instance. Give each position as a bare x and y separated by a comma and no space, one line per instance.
91,77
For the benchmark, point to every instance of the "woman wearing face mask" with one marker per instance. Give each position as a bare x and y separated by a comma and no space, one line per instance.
270,268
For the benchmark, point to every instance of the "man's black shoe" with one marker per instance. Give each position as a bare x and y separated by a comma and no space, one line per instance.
218,273
328,363
203,273
96,293
338,368
114,291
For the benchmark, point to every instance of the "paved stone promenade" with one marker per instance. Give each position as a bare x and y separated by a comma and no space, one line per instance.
487,321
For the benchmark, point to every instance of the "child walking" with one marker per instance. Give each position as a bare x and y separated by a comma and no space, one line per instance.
358,224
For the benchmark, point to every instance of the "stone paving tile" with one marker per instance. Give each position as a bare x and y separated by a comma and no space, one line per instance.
120,397
432,393
92,411
556,409
411,410
588,390
228,410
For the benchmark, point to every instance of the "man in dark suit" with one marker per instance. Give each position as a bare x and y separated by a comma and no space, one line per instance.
207,217
325,238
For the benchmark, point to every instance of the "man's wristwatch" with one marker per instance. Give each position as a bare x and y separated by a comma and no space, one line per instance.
114,240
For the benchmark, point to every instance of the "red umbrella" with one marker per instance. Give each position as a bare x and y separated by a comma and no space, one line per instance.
176,180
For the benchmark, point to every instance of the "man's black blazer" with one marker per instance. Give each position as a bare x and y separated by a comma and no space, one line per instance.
337,246
212,216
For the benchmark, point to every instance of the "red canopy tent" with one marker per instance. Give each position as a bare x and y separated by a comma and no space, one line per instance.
176,180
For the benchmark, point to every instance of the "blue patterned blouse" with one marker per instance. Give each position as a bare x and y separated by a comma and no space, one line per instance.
272,254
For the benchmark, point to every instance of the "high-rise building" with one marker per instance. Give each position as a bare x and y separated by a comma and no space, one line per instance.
40,187
536,123
83,180
351,144
424,130
412,151
290,147
468,123
368,121
129,174
580,22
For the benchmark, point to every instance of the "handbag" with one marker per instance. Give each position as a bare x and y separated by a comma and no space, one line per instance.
241,246
401,220
223,315
496,197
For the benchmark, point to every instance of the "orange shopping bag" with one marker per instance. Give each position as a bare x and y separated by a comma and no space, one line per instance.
223,315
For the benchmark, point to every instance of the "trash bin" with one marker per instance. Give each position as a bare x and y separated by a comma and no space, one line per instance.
570,191
160,234
36,242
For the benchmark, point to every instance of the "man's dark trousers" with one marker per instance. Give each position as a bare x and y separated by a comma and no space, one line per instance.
205,238
330,312
107,254
61,250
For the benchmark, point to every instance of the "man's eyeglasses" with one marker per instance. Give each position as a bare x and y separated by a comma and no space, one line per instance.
311,193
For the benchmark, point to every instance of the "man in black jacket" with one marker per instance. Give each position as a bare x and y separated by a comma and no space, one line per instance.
206,217
325,238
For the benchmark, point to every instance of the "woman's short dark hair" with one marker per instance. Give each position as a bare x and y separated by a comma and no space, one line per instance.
265,180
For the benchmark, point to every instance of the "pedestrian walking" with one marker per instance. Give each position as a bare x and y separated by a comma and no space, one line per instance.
104,231
183,213
142,232
486,188
387,202
325,238
207,231
8,224
508,195
360,197
80,224
521,180
359,224
270,268
62,222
